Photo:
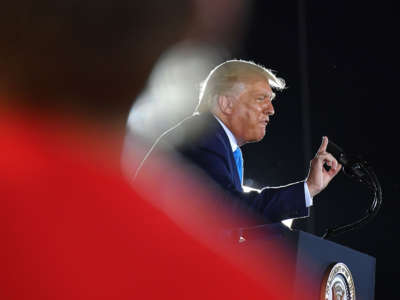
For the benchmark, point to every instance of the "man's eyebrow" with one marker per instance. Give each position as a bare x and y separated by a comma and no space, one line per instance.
271,95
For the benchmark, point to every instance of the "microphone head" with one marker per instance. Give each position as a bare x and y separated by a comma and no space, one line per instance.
337,153
352,166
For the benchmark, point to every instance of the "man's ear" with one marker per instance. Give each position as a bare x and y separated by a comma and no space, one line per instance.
225,104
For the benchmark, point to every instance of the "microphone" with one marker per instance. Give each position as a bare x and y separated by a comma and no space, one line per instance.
351,165
337,153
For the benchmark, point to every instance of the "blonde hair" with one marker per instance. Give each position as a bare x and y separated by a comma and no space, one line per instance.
222,80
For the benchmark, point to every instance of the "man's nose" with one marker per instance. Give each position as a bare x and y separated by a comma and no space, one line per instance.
269,108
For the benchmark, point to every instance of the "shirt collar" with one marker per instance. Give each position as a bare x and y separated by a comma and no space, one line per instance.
231,137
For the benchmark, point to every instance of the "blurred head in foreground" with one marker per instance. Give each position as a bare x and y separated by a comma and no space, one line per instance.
83,57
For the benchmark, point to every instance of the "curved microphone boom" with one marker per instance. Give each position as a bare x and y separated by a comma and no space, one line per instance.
359,170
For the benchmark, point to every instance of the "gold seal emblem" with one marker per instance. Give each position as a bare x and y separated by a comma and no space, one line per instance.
338,283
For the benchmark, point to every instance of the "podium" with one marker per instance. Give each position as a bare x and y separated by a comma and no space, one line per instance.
336,271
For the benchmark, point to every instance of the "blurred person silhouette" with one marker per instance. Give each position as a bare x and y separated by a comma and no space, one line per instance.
235,108
71,226
214,35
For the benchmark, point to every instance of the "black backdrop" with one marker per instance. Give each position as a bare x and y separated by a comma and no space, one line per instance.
349,80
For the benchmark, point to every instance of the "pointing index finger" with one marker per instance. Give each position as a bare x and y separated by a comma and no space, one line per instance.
324,144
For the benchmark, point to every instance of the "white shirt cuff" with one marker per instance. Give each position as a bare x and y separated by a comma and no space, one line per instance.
309,199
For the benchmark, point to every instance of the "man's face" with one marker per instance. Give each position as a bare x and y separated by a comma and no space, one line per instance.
251,111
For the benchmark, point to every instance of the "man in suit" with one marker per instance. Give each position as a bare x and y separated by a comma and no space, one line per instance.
235,108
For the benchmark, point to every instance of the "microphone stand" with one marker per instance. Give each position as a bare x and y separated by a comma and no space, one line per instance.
360,171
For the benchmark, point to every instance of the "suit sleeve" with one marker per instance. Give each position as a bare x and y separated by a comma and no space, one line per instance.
272,204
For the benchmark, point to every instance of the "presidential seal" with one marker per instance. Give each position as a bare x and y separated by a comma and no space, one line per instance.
338,283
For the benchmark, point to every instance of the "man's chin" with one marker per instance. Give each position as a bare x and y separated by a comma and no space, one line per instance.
255,140
261,136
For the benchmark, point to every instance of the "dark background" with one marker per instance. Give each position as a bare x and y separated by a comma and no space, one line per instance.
342,83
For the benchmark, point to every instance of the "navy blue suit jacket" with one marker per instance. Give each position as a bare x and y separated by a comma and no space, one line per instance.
201,140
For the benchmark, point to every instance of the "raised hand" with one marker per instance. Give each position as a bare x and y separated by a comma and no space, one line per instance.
318,177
